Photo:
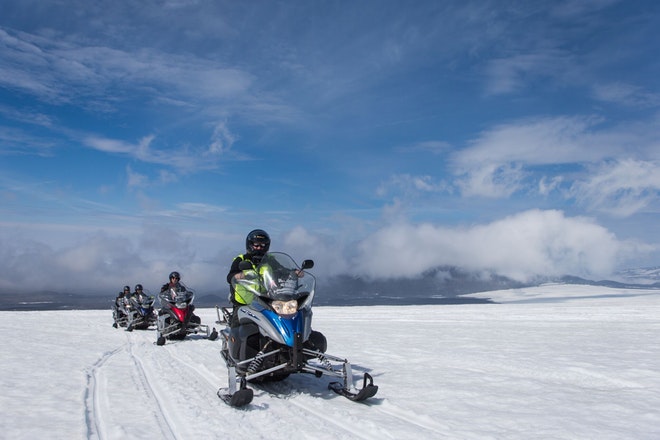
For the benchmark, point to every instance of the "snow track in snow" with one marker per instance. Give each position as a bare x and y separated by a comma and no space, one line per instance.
319,410
147,385
94,392
173,383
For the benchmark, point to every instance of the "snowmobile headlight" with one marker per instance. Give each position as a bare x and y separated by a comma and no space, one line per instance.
285,307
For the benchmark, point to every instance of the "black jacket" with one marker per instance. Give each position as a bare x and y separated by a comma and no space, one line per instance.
233,270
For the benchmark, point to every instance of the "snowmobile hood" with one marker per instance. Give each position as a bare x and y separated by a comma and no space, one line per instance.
287,327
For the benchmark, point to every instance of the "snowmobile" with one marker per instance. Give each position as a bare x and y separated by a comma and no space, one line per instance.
141,314
119,313
176,319
272,337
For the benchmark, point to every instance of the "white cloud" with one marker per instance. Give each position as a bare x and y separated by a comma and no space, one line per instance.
326,251
434,147
520,246
491,180
89,259
202,210
166,176
620,188
507,75
52,69
409,185
501,160
492,165
139,150
135,179
222,139
546,186
538,141
626,94
183,158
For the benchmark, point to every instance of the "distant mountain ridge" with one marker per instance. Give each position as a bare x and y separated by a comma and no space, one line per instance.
644,275
445,285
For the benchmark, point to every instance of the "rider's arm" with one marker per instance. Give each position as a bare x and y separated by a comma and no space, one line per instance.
234,269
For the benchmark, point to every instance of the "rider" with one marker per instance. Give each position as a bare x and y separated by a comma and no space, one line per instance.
175,277
174,283
257,244
119,302
138,290
134,296
122,295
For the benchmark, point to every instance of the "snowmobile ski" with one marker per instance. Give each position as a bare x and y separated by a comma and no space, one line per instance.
222,319
368,389
236,397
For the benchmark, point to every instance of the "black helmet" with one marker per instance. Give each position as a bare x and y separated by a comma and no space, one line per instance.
175,275
258,236
138,287
127,288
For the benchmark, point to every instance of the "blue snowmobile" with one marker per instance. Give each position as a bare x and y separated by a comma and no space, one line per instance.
272,337
140,311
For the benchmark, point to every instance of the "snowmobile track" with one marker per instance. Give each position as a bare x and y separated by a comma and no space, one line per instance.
207,376
163,421
330,420
410,418
93,391
298,394
295,400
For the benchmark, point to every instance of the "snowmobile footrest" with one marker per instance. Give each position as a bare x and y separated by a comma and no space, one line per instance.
368,389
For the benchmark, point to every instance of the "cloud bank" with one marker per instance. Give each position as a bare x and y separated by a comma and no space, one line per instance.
521,246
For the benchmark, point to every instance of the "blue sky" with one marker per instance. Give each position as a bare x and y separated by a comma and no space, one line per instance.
380,138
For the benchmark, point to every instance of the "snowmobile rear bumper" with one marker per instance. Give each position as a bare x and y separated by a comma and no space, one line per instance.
178,329
139,321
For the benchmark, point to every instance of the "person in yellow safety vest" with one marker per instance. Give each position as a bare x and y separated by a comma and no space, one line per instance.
242,293
257,244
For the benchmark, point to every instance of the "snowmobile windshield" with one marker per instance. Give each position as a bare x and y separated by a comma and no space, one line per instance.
143,300
278,278
179,295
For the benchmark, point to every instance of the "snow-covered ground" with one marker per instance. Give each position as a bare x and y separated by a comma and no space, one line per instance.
551,362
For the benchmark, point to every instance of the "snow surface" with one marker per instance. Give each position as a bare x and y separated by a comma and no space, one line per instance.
551,362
